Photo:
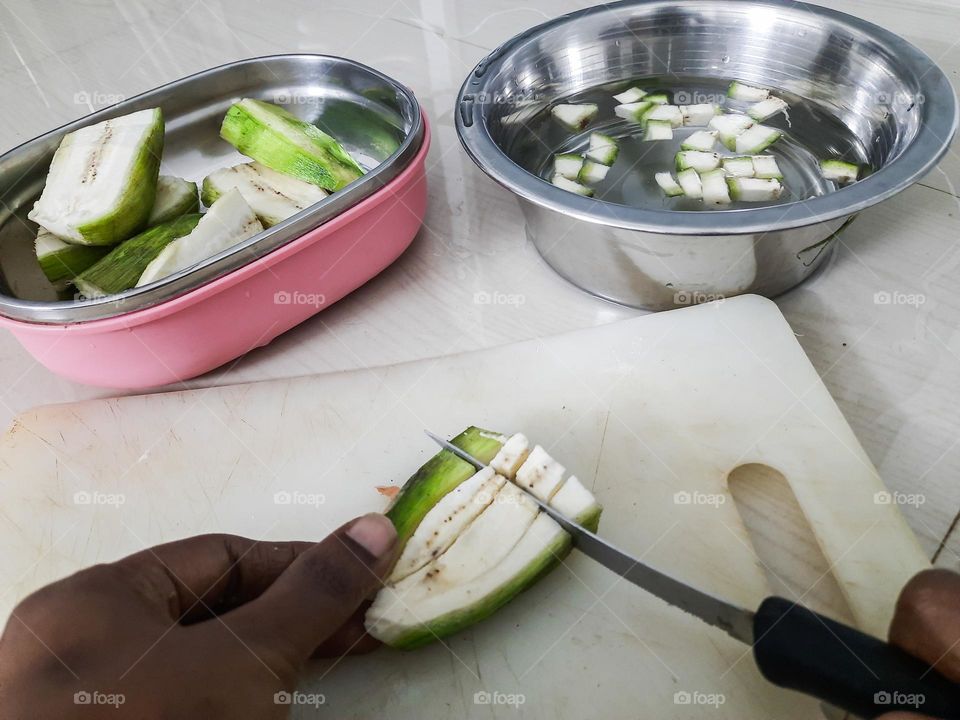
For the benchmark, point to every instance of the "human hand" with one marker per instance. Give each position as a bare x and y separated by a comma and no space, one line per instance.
927,625
208,627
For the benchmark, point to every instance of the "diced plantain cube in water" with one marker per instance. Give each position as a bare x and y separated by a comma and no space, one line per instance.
739,166
660,98
689,181
603,149
699,161
756,139
283,142
700,114
592,172
765,166
670,187
273,196
702,140
122,267
839,171
575,117
634,111
631,95
228,222
568,165
715,191
658,130
749,93
767,108
61,261
571,186
668,113
730,127
749,189
102,183
471,540
175,197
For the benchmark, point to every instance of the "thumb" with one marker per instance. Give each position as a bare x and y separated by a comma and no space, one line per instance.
318,592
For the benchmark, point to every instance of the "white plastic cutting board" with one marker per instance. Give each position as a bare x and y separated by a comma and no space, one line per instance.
640,410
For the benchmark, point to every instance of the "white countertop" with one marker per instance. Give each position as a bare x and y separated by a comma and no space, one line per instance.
893,369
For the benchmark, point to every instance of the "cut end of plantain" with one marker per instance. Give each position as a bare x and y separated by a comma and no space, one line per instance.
60,261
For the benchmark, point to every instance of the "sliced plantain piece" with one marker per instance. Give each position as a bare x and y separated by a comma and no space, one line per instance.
578,504
540,474
102,182
446,520
273,196
283,142
175,197
61,261
466,583
462,563
227,223
122,267
512,455
441,474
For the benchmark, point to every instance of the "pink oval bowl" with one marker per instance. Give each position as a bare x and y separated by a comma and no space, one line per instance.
245,309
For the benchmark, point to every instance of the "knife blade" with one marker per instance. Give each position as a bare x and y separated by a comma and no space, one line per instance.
733,620
793,646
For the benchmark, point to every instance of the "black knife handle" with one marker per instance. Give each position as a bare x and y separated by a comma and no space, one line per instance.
799,649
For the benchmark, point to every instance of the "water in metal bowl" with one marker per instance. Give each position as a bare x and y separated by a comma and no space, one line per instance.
809,135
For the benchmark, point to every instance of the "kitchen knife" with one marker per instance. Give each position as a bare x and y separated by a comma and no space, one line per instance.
793,646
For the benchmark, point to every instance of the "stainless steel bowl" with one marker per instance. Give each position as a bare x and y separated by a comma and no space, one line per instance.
856,90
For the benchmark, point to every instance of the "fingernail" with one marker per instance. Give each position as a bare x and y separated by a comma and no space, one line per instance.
374,533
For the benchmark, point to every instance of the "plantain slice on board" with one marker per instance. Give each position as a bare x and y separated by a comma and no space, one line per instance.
102,182
472,540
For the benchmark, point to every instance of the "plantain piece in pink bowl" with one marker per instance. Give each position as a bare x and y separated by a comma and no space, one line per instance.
200,316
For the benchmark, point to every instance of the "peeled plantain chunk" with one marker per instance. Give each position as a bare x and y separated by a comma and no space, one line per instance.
102,183
478,539
283,142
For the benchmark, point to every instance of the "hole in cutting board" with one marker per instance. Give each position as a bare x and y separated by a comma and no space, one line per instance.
793,563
